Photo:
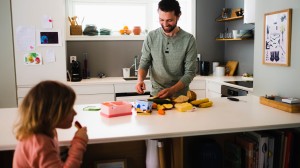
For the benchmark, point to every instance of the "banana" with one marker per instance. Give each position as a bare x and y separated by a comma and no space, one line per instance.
205,105
199,101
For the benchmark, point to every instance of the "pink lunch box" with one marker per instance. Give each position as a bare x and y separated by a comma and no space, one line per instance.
116,108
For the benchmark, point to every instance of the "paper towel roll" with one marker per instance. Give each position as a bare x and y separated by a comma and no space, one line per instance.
220,71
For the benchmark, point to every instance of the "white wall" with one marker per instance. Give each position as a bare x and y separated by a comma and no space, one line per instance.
277,80
29,13
7,67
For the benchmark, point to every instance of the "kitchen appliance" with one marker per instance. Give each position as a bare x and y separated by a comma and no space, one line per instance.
204,68
248,84
227,91
75,71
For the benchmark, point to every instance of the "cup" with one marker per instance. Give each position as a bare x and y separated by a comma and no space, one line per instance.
126,72
220,71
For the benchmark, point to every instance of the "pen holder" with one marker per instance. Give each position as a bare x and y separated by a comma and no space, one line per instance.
76,30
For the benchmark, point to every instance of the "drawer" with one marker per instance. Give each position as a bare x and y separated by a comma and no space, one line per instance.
94,89
130,87
94,98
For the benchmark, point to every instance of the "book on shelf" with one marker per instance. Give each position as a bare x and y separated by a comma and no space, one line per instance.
262,140
288,142
249,148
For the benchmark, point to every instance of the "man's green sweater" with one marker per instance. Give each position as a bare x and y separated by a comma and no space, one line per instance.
171,59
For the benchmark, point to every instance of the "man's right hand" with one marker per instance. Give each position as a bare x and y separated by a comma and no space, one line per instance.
140,87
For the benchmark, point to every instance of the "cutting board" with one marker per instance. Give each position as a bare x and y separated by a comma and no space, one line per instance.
231,67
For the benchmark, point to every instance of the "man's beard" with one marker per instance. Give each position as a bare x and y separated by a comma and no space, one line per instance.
170,28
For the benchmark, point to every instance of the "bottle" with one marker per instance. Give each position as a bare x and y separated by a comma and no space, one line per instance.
136,30
85,71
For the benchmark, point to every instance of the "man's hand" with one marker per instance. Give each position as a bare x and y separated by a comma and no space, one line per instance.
140,87
165,93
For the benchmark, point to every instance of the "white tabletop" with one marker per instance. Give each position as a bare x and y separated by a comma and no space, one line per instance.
224,117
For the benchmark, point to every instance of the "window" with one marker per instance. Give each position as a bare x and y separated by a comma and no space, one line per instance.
115,14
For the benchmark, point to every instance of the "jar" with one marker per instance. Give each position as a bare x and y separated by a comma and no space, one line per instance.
136,30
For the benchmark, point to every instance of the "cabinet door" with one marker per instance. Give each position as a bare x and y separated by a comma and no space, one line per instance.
198,86
249,11
213,89
94,93
94,98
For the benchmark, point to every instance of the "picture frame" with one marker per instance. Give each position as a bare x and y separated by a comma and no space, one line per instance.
48,37
277,38
116,163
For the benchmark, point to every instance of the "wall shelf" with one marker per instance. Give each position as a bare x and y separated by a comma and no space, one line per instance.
230,19
232,39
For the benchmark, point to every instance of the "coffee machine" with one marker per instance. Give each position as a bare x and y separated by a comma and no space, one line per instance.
75,71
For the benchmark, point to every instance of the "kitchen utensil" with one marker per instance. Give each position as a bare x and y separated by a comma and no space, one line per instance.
231,65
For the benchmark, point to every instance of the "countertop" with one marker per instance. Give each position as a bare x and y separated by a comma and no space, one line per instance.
224,116
120,80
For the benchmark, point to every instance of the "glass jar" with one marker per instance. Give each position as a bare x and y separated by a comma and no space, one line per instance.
136,30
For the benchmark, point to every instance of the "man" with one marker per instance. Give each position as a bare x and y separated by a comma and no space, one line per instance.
170,52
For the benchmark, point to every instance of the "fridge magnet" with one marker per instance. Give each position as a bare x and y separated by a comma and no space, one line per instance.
277,38
49,38
118,163
33,58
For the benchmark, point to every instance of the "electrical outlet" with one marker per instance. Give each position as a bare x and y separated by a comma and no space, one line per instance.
199,56
73,58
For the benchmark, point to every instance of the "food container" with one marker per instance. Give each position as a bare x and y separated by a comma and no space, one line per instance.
116,108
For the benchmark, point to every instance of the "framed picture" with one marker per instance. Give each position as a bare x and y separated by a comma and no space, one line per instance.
277,38
117,163
49,38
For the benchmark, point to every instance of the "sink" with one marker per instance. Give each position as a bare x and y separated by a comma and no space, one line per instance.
134,78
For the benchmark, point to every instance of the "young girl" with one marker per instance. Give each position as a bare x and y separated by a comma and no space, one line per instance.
47,106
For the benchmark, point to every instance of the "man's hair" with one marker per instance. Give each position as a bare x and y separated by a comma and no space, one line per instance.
169,6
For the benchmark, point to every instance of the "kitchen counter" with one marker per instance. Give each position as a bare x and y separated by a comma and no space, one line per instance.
224,117
117,80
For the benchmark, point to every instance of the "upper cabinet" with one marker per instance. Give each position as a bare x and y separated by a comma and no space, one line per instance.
249,14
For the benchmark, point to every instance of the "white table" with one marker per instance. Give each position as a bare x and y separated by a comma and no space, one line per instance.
224,117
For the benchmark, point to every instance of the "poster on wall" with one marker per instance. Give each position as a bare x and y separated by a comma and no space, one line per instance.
32,58
277,38
49,38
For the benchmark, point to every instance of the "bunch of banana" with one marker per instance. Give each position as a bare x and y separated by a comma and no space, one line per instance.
203,103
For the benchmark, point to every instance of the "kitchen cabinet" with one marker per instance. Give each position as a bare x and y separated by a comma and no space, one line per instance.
94,93
249,14
198,86
213,89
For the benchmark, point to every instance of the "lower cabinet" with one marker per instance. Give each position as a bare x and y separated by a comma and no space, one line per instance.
94,93
198,86
213,89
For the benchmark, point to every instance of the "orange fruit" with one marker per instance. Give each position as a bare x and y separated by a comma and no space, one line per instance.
125,27
122,31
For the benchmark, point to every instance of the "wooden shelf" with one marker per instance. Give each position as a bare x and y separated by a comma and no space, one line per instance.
230,19
232,39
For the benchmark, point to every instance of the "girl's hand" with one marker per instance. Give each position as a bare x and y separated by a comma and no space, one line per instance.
82,133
